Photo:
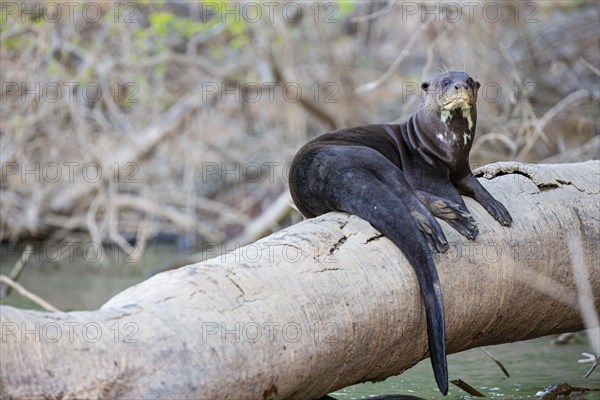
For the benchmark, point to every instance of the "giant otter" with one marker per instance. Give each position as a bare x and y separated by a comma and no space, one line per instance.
398,177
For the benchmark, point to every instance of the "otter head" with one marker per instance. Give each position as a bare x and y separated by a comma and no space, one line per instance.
451,98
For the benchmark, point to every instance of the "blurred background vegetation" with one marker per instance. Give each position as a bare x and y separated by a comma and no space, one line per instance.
138,133
129,123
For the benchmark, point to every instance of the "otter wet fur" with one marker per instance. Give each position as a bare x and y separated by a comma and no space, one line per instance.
399,177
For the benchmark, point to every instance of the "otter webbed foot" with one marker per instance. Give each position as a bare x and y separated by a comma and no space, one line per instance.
454,214
496,210
471,187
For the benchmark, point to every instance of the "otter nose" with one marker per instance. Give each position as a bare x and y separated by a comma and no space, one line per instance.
464,85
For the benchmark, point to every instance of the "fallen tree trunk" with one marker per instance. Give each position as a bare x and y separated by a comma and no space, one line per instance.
319,306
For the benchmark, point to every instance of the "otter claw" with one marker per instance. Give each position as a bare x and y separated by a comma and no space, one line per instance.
466,227
432,232
504,217
455,216
447,210
499,212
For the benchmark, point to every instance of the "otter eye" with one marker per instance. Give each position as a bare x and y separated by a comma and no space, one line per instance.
470,82
446,82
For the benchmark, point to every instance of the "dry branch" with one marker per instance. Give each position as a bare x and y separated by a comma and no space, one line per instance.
159,77
142,144
27,294
320,305
253,231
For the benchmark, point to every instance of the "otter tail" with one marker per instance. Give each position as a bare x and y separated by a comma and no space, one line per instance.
388,213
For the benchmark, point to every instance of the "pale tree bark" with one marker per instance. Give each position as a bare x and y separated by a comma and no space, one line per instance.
321,305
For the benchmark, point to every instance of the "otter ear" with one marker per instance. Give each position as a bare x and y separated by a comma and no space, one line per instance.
425,86
477,85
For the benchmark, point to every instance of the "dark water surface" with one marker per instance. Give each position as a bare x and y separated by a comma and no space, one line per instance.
532,365
80,281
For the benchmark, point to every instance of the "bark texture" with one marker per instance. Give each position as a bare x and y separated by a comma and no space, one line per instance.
319,306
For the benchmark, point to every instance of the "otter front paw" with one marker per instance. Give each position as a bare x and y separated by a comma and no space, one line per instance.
498,211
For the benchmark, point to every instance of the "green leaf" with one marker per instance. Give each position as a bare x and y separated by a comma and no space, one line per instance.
53,67
162,21
346,7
